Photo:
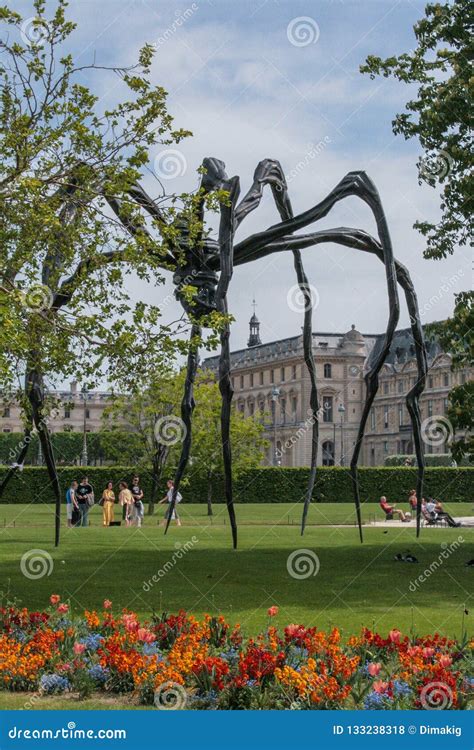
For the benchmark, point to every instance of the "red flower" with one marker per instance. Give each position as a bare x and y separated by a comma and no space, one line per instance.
63,608
54,599
374,668
394,635
107,604
272,611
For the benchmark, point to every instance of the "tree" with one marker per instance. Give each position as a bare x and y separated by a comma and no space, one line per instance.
142,427
246,436
62,252
439,116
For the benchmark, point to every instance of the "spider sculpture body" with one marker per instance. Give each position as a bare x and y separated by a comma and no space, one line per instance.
210,265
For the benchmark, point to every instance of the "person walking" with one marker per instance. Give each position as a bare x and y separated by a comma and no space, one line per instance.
138,508
85,499
126,501
108,501
168,498
71,503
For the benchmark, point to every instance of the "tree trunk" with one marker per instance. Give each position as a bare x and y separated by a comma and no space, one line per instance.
210,512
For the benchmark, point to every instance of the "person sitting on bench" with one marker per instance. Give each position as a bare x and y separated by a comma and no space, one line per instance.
391,510
434,508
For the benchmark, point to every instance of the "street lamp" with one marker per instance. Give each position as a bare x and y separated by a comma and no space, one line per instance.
341,411
275,397
84,456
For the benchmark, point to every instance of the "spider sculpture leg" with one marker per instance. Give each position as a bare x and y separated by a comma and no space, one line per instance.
226,244
270,172
356,184
35,392
360,240
187,408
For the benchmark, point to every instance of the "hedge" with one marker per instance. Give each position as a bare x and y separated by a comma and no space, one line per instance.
262,485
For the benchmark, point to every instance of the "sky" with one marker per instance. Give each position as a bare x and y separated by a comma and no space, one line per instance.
280,79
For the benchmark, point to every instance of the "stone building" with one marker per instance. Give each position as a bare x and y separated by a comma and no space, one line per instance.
272,379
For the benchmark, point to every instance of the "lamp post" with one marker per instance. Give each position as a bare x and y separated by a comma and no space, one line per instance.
275,397
84,456
341,411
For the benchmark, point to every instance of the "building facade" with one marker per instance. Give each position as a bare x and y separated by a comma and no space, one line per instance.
272,380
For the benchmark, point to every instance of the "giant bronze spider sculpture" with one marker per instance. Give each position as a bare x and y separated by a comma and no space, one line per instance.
210,265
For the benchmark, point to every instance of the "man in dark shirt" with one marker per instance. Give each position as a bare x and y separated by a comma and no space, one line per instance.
84,497
137,492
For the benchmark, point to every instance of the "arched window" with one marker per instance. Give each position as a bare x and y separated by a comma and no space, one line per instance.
328,453
327,371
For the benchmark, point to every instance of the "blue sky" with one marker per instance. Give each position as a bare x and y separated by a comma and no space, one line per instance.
242,77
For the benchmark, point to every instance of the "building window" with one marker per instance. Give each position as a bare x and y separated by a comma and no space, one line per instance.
261,406
88,414
252,408
261,378
385,417
327,371
282,374
67,414
272,376
463,378
294,408
293,372
400,415
385,446
446,378
372,419
430,381
241,381
327,405
251,379
328,453
232,380
6,429
6,412
385,388
446,405
283,410
430,408
401,386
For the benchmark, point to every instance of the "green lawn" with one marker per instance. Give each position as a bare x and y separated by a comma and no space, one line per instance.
356,584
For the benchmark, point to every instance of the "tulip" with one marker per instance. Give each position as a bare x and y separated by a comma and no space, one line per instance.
145,635
394,635
374,668
445,661
107,604
272,611
79,648
54,599
380,687
428,652
63,608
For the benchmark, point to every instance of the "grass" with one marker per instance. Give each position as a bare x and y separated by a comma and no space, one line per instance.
357,585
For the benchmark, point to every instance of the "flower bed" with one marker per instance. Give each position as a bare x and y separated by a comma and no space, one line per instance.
177,661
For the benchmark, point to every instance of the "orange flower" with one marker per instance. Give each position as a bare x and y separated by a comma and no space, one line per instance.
54,599
272,611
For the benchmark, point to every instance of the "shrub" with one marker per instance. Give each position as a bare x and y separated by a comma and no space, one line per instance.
262,485
434,459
